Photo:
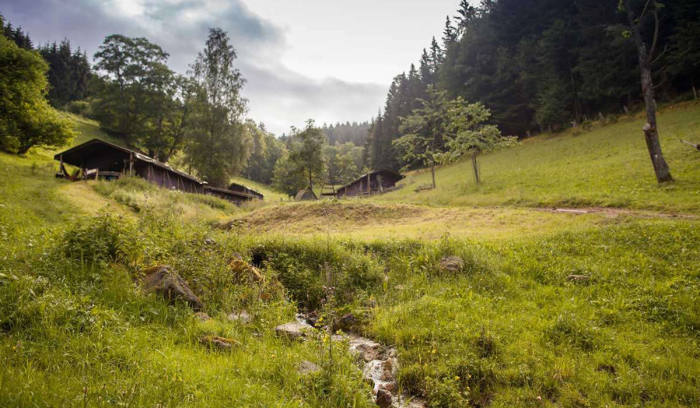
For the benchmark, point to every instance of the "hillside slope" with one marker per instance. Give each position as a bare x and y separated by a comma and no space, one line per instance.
485,307
606,166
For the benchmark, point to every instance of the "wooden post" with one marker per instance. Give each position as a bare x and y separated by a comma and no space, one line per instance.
61,166
131,165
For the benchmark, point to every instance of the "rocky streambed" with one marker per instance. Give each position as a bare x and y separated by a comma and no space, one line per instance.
379,364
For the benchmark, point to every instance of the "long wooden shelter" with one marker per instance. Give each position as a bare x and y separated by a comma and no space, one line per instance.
98,158
379,181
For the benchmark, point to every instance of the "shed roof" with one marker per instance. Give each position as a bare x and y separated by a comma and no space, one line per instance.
244,189
231,192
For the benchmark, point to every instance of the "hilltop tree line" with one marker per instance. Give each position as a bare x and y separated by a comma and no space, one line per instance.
541,65
340,133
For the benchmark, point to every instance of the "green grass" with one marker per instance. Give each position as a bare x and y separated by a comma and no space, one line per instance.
509,329
607,166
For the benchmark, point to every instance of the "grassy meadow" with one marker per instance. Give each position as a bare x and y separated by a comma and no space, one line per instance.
597,164
510,328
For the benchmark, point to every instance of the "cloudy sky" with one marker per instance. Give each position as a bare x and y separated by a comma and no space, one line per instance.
330,60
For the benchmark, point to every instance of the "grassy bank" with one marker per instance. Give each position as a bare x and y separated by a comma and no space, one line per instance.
607,165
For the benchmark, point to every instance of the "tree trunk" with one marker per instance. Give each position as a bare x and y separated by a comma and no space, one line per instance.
432,171
475,167
311,182
695,91
663,173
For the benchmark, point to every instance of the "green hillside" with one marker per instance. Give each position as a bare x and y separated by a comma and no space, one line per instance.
545,309
606,165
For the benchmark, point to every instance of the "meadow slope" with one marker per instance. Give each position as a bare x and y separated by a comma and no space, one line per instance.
546,309
604,166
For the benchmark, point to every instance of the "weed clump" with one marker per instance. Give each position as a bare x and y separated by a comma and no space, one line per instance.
103,239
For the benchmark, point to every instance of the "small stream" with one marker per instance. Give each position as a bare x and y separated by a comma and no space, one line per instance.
380,367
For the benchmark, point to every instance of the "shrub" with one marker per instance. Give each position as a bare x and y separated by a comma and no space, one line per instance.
81,108
102,239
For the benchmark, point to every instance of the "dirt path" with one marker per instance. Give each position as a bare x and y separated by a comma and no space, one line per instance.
615,212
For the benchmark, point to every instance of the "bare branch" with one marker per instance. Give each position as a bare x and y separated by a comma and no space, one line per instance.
660,55
644,12
656,34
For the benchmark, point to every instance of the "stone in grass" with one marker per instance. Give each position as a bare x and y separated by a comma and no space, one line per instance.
578,278
202,317
451,264
294,331
242,316
307,367
346,323
217,343
384,398
164,281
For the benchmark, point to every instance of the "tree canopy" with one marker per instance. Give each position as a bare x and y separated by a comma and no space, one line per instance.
26,119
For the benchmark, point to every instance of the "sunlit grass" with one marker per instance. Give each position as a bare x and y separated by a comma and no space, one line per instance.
607,166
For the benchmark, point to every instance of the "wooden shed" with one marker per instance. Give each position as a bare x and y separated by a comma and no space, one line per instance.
245,190
97,156
305,195
379,181
237,197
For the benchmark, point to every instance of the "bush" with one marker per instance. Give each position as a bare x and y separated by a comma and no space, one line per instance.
81,108
103,239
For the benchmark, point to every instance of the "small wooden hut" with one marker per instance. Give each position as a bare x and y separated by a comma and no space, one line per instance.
306,194
379,181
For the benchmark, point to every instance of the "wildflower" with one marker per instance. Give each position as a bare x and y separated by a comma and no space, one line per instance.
456,378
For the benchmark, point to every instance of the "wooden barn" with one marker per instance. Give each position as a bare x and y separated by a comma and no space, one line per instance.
379,181
99,159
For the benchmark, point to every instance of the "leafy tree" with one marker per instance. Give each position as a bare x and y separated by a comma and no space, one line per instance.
342,163
26,119
219,143
287,177
266,151
422,132
347,169
133,82
306,152
470,135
